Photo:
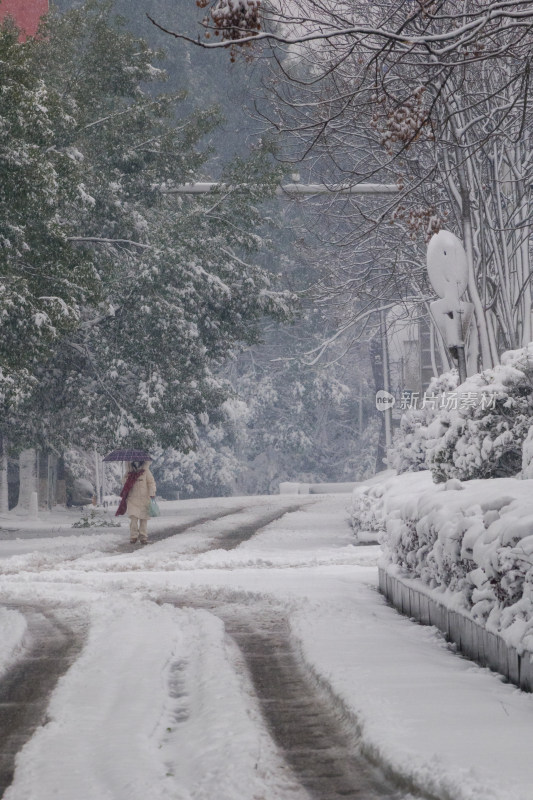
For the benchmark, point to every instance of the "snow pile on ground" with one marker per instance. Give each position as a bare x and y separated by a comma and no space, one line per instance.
472,542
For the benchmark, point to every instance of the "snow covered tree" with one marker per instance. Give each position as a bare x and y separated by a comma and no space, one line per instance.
4,487
175,283
286,419
44,281
440,33
430,95
214,467
303,423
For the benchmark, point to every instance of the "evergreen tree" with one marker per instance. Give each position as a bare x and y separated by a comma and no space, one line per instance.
172,287
44,281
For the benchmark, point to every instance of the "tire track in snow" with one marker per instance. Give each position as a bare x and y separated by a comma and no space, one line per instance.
326,759
319,744
26,687
235,537
158,536
124,546
225,541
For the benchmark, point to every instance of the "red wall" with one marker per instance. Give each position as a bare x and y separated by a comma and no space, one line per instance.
26,13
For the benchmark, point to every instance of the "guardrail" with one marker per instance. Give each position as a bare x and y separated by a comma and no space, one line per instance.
472,639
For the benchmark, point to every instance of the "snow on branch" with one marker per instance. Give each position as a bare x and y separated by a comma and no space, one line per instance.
118,242
419,30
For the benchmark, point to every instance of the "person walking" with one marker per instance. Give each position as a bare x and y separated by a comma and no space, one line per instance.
139,487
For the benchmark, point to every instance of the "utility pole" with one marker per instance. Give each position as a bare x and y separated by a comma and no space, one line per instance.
386,377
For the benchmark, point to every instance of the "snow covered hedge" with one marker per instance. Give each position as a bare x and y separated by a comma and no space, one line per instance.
471,543
476,430
420,425
367,514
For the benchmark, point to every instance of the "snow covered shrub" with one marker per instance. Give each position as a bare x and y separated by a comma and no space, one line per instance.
96,519
417,425
477,430
423,543
485,434
365,511
408,450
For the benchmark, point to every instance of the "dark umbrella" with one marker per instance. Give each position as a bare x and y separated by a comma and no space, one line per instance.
128,455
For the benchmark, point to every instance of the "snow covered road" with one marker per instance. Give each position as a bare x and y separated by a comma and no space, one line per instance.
45,649
244,654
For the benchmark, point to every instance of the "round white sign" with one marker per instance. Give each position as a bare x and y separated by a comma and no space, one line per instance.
447,265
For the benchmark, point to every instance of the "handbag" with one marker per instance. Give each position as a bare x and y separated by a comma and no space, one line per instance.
153,508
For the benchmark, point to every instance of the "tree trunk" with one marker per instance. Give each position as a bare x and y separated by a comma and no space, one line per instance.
487,358
4,489
97,484
27,481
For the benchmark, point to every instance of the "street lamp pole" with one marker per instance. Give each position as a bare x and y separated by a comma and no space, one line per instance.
386,377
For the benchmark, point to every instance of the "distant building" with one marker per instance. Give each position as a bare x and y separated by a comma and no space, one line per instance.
413,357
25,13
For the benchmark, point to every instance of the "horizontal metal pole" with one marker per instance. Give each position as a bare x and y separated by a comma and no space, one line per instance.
290,188
321,188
